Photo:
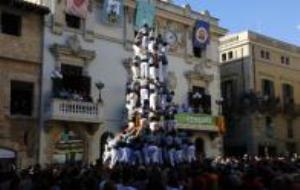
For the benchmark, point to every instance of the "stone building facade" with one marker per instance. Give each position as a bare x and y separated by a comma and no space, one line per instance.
260,85
97,51
21,38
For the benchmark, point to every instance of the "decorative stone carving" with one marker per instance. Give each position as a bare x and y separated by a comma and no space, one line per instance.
73,48
199,68
198,73
187,10
74,43
174,30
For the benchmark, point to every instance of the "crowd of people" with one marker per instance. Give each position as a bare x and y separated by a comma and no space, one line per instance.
207,174
158,148
73,95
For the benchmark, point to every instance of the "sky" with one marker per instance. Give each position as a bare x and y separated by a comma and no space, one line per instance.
276,18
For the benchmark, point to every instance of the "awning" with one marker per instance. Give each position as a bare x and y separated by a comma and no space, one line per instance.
7,154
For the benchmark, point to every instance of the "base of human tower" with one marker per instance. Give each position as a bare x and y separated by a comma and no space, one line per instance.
151,137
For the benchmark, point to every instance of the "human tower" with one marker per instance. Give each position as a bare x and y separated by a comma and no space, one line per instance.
151,137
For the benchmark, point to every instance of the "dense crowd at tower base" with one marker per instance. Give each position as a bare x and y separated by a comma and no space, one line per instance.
216,174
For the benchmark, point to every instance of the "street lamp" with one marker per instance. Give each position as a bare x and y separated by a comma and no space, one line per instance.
219,102
100,85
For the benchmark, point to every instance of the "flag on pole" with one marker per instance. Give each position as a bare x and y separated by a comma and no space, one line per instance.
77,7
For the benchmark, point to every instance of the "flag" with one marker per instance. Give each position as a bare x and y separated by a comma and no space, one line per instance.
112,12
220,122
77,7
145,13
201,34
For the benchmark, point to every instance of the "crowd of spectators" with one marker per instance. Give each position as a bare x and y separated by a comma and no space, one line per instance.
73,95
216,174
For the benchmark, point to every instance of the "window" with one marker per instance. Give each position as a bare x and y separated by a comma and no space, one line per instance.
197,52
199,100
287,61
224,57
265,55
269,127
71,70
230,55
287,93
282,60
73,21
267,88
11,24
262,54
290,131
21,101
228,89
269,120
73,82
291,148
268,55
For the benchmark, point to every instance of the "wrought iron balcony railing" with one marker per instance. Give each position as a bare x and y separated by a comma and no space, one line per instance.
251,102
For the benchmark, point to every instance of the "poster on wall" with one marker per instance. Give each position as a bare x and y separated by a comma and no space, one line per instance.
113,12
145,13
201,35
77,8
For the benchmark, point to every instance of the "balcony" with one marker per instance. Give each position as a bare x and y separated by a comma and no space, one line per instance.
75,111
291,109
251,102
198,122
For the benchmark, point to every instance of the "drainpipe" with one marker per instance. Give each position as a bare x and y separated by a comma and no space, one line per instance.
41,99
253,132
243,73
253,68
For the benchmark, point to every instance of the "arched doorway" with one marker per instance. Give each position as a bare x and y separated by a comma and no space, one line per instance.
103,141
7,160
200,149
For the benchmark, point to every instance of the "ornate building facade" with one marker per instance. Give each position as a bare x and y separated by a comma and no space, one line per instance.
21,38
85,69
260,86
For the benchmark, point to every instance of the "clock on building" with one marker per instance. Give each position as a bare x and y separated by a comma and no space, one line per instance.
171,38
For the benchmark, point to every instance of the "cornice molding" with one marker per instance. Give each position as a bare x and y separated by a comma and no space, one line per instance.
72,48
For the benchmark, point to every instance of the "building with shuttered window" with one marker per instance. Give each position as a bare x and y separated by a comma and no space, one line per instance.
21,38
260,86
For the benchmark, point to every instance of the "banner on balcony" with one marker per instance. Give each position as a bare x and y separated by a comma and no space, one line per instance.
113,12
77,7
201,36
145,13
195,119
